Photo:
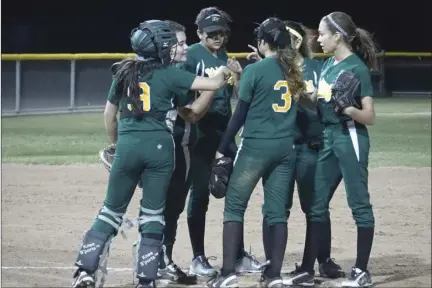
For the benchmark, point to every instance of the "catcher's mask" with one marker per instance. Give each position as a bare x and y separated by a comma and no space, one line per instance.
153,39
274,32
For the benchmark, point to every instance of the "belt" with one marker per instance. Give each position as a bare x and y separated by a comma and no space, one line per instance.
314,144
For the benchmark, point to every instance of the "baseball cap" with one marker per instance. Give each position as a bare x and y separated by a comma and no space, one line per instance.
273,30
212,23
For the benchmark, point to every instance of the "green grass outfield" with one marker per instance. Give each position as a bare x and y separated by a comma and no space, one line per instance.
401,136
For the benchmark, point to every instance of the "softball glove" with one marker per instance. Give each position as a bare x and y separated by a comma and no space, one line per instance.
106,156
221,170
344,91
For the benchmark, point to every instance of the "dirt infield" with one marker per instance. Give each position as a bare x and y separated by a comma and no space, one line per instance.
46,209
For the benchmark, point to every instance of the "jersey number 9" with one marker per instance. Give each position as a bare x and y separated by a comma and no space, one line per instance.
144,97
286,97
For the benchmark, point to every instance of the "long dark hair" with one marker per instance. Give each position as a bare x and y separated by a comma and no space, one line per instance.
293,75
128,77
360,40
274,32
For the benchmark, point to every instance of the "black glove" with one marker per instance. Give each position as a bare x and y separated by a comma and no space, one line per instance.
344,91
221,170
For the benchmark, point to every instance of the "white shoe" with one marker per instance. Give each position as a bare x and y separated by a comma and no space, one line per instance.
201,267
357,278
248,264
83,280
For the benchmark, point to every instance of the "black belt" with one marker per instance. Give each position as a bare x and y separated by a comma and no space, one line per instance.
314,144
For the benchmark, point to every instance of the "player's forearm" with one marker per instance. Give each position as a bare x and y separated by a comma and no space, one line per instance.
110,120
365,117
194,112
111,128
236,122
201,105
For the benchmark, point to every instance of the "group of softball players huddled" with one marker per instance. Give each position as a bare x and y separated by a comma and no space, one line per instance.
301,121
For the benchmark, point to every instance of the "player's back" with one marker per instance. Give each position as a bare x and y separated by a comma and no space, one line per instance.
157,92
272,110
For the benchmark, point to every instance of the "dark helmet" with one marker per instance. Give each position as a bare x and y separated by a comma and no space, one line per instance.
273,31
153,39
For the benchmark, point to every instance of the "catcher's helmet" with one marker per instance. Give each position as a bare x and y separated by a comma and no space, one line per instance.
273,31
153,39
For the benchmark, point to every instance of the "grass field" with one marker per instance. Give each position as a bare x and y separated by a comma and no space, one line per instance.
400,137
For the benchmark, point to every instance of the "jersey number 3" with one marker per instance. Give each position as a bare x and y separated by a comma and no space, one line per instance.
286,97
144,97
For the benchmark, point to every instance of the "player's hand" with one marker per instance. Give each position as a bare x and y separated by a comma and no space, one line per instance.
218,155
225,71
234,65
253,56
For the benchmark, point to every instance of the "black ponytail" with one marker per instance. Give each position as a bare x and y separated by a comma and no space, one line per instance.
364,46
128,78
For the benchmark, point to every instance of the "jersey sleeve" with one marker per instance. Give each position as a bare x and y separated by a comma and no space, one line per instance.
366,88
180,82
184,101
247,84
112,97
190,64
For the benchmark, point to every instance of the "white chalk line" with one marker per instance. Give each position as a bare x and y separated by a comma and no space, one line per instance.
55,268
73,268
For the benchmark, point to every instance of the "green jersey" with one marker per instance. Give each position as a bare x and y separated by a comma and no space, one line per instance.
203,63
272,111
329,72
308,125
157,98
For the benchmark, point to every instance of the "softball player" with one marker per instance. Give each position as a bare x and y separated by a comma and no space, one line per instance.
143,92
308,142
346,145
185,137
204,58
267,111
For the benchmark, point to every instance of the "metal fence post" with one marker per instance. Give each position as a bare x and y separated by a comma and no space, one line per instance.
72,84
17,86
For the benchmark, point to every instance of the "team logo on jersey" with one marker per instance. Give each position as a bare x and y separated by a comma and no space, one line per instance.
212,71
324,90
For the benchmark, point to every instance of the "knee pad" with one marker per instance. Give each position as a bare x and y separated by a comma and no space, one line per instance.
151,221
110,217
148,258
94,246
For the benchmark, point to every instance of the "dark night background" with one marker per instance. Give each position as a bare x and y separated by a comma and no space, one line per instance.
104,26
